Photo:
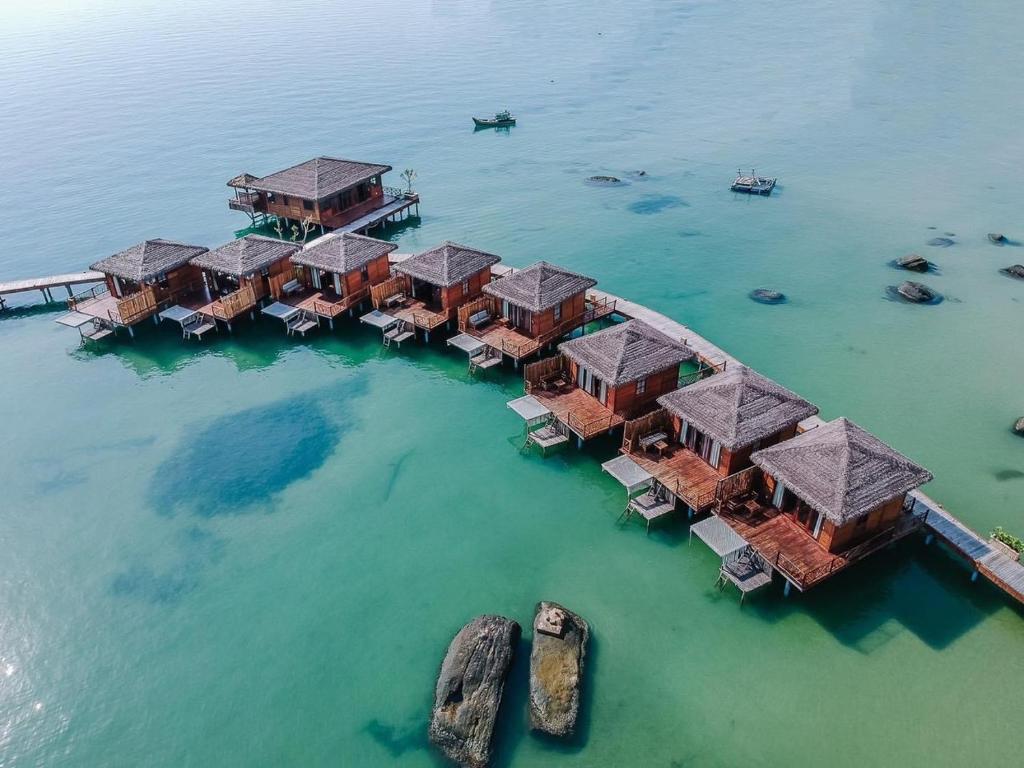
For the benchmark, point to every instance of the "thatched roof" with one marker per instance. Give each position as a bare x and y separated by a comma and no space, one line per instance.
539,287
245,256
447,264
145,261
318,178
626,352
343,253
840,470
243,181
738,407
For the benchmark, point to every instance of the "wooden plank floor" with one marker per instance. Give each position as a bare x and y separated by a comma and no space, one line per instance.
769,532
589,417
682,471
494,334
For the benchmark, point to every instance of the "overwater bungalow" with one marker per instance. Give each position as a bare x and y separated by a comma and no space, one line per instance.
527,309
137,283
331,275
813,505
598,381
428,288
707,431
236,277
325,192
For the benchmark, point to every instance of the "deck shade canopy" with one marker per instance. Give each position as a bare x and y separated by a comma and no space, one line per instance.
379,319
314,179
539,287
148,259
630,474
722,539
738,407
281,311
468,344
840,470
342,253
626,352
530,409
177,313
448,264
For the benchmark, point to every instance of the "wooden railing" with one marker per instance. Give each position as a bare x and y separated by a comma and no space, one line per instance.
736,484
93,293
635,429
429,320
536,373
391,286
278,281
231,306
590,427
138,306
335,308
479,304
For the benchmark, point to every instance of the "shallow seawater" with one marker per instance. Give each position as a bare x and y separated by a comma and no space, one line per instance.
254,550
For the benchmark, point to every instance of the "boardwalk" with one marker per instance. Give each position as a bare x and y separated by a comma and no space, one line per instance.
46,284
988,560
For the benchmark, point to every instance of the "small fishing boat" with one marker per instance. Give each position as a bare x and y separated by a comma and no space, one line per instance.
500,120
753,184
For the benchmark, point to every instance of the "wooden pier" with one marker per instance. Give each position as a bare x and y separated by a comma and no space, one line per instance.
45,285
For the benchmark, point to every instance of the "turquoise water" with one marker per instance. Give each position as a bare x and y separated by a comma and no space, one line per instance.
253,551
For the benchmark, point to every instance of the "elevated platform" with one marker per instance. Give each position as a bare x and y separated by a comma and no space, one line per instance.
45,285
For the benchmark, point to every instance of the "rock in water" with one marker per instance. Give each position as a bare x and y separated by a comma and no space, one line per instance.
767,296
919,293
913,262
608,181
997,237
940,242
556,668
1018,426
1016,270
469,689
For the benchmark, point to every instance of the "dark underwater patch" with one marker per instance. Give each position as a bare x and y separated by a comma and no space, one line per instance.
651,204
197,548
397,741
240,461
1002,475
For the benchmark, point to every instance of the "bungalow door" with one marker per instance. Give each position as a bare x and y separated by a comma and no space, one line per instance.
314,275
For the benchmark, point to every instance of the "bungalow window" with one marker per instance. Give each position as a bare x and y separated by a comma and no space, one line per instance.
307,204
364,274
271,197
558,312
465,287
641,386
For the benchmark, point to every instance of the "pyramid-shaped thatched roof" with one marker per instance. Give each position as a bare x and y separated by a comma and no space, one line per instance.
626,352
540,286
447,264
148,259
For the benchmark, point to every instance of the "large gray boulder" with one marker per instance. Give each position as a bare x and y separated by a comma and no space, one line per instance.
917,293
556,668
1018,426
469,688
1014,270
914,262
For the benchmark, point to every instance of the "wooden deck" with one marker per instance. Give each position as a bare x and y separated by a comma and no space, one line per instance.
102,308
790,549
688,477
506,338
416,312
323,303
580,412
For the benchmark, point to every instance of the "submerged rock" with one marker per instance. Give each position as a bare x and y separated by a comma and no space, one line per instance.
469,688
913,262
607,181
997,237
639,174
556,668
940,242
767,296
1018,426
918,293
1015,270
